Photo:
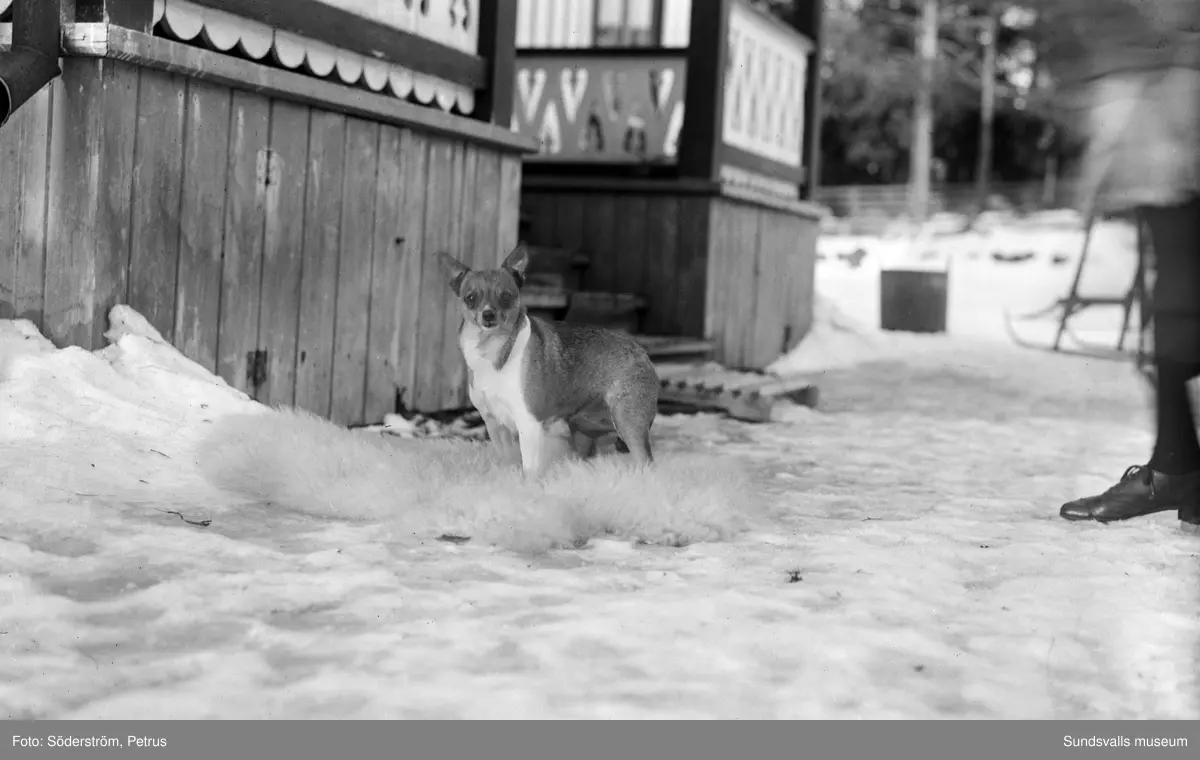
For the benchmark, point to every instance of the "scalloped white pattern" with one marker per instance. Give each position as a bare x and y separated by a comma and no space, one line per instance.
4,5
224,32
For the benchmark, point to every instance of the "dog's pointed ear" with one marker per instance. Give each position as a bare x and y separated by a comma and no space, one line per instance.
516,262
454,270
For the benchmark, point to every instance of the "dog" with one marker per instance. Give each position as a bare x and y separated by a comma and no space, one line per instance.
547,389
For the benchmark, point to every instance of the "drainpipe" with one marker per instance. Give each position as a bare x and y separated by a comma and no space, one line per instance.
32,63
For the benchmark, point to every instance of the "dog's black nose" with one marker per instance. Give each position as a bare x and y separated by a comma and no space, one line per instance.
489,317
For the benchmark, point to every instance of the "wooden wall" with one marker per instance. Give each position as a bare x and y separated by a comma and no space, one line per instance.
761,264
237,224
650,244
735,272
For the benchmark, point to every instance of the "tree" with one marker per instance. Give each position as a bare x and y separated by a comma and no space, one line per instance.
869,72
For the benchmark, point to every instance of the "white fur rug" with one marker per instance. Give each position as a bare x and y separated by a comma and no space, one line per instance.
428,489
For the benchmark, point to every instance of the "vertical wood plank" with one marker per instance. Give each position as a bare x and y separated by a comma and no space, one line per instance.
716,279
439,208
283,244
206,166
630,245
568,224
510,203
411,256
462,245
157,170
319,261
599,223
242,252
771,315
91,172
28,293
660,273
384,326
542,209
12,144
802,293
354,271
744,310
486,250
691,265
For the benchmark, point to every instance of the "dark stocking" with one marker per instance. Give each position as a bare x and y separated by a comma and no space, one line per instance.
1176,449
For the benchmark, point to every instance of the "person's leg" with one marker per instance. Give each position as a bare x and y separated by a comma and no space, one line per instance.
1176,447
1171,480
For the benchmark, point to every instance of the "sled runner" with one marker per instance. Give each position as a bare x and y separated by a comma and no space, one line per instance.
1067,341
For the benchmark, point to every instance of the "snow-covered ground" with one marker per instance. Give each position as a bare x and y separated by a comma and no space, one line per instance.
896,554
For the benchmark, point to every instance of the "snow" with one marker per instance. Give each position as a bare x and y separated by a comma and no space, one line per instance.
170,549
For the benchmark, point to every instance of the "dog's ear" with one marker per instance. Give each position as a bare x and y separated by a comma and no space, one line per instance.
516,262
454,270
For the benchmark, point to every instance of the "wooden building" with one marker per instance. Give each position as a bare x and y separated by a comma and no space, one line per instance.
677,150
267,180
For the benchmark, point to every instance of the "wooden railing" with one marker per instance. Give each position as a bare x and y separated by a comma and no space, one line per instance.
748,91
762,116
594,108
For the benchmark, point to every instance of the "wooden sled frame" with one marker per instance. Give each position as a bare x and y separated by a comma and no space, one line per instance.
1138,294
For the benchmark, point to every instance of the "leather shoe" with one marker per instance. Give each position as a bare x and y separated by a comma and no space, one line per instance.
1141,491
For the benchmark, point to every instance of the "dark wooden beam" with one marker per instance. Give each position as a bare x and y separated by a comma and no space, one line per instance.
32,61
498,46
137,15
707,55
808,19
349,31
36,25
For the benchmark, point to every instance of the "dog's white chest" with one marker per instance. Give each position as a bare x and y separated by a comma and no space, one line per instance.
498,393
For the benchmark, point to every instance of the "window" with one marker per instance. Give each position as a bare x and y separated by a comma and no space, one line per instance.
628,23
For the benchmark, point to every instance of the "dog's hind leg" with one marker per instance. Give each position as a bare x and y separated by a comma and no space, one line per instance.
633,420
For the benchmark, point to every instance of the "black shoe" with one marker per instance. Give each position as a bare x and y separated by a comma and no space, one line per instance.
1142,491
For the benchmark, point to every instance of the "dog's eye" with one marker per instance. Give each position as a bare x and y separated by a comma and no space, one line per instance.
506,300
472,300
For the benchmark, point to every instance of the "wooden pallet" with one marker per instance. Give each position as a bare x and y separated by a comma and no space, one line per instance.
665,348
748,396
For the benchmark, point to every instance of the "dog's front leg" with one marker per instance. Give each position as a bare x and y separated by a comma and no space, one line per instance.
532,439
504,440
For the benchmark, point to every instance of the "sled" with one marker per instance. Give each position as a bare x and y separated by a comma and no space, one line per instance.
1066,341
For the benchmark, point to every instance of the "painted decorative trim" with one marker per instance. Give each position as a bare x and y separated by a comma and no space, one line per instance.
4,6
555,23
216,30
745,179
607,110
765,81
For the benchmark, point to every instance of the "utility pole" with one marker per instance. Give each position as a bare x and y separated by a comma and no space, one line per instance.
987,108
921,149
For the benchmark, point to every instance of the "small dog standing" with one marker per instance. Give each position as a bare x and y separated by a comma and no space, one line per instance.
547,388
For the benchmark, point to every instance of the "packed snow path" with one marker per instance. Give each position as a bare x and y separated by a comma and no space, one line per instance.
911,565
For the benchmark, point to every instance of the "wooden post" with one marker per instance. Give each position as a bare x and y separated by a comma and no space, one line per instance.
498,45
987,109
808,18
32,61
707,56
921,149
